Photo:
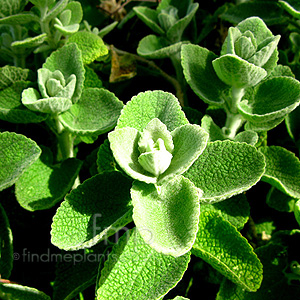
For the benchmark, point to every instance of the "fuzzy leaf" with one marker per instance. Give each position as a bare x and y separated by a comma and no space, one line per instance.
144,107
167,220
91,45
96,112
236,72
11,108
89,215
250,137
19,19
222,246
214,131
17,291
91,79
282,170
30,42
269,11
225,169
272,99
175,32
297,211
292,122
200,74
11,7
55,10
134,270
280,201
52,105
105,159
9,75
6,249
155,47
68,60
149,17
43,184
17,153
235,210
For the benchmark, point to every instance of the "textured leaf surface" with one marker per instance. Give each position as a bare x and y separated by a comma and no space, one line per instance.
274,285
68,60
79,272
155,47
135,271
282,170
6,249
222,246
168,220
96,112
43,184
250,137
11,108
17,291
92,212
144,107
53,105
17,153
200,74
214,131
236,72
235,210
30,42
273,99
149,17
91,45
9,75
105,159
11,7
225,169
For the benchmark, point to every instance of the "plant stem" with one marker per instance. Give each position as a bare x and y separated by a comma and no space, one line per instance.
234,120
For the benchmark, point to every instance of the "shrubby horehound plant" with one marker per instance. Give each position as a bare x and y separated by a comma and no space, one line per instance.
164,189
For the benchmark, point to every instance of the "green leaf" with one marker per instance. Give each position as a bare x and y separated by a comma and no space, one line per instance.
43,184
91,79
282,170
134,270
250,137
96,112
222,246
214,131
89,215
237,72
272,99
30,42
290,9
73,9
10,74
235,210
297,211
200,75
155,47
144,107
107,29
280,201
6,249
269,11
17,291
175,32
91,45
52,105
11,108
274,285
149,17
55,10
17,153
180,298
167,219
105,159
292,122
225,169
68,60
19,19
11,7
263,126
189,142
77,273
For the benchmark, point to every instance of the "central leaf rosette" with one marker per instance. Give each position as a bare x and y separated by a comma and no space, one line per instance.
248,54
155,154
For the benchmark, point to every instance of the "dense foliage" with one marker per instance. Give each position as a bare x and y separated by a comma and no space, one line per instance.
149,149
